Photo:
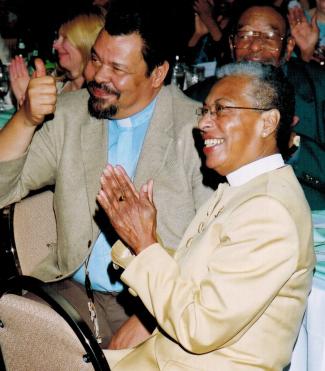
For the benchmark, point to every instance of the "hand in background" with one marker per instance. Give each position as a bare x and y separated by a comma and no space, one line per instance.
199,31
204,8
41,94
19,78
132,214
306,34
200,27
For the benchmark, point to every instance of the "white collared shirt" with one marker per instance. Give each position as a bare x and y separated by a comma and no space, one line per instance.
247,172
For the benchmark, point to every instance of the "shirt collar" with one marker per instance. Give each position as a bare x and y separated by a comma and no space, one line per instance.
253,169
138,118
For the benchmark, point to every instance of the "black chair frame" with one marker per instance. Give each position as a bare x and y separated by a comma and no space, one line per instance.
94,353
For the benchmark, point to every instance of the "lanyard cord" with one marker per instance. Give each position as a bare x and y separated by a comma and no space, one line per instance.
91,303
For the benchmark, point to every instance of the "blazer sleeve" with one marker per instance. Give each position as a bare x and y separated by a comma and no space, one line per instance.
249,265
34,170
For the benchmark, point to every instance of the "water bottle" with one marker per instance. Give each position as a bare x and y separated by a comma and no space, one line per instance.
178,75
21,48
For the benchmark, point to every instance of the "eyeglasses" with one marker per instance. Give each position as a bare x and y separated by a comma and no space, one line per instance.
219,110
269,40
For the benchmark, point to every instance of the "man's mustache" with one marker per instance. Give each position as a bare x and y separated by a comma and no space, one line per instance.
94,85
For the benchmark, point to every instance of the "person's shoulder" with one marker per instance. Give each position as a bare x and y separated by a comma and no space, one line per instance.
70,107
303,70
178,95
283,185
280,184
178,109
73,97
74,103
181,105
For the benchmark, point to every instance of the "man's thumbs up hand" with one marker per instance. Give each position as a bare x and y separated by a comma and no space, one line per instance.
41,95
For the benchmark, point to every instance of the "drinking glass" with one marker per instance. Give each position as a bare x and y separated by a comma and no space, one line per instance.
4,85
193,75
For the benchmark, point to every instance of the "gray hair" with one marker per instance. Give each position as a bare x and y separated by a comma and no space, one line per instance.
252,69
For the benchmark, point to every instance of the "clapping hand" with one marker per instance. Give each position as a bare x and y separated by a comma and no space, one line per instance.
305,34
200,27
204,8
131,213
205,11
19,78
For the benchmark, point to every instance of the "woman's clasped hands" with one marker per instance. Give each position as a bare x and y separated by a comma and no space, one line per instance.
131,213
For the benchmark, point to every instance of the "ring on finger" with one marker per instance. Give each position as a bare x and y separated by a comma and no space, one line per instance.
121,198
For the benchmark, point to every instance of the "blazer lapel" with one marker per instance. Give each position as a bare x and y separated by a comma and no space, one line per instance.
154,150
94,156
158,138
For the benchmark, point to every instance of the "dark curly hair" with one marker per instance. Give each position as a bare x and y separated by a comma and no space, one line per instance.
125,17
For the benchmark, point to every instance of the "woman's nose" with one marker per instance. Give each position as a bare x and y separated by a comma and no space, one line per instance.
205,122
57,42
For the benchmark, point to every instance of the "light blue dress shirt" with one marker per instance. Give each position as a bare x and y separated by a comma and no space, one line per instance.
126,138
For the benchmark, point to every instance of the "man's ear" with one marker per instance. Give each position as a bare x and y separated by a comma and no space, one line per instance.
289,48
295,120
159,74
271,121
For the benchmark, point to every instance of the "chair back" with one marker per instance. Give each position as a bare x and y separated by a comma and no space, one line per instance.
47,335
33,230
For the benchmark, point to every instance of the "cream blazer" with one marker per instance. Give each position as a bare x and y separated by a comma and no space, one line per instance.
233,296
70,152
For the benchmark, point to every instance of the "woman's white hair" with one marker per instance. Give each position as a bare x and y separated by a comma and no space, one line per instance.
241,68
269,89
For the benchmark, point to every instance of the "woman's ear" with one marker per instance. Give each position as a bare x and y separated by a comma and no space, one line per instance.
271,121
159,74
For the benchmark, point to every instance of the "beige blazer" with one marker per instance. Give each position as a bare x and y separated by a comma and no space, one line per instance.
71,151
234,295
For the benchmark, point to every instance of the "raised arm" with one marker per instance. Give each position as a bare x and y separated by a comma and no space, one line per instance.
40,100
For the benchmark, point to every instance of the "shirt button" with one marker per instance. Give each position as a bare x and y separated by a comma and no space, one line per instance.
219,212
201,227
189,242
132,292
